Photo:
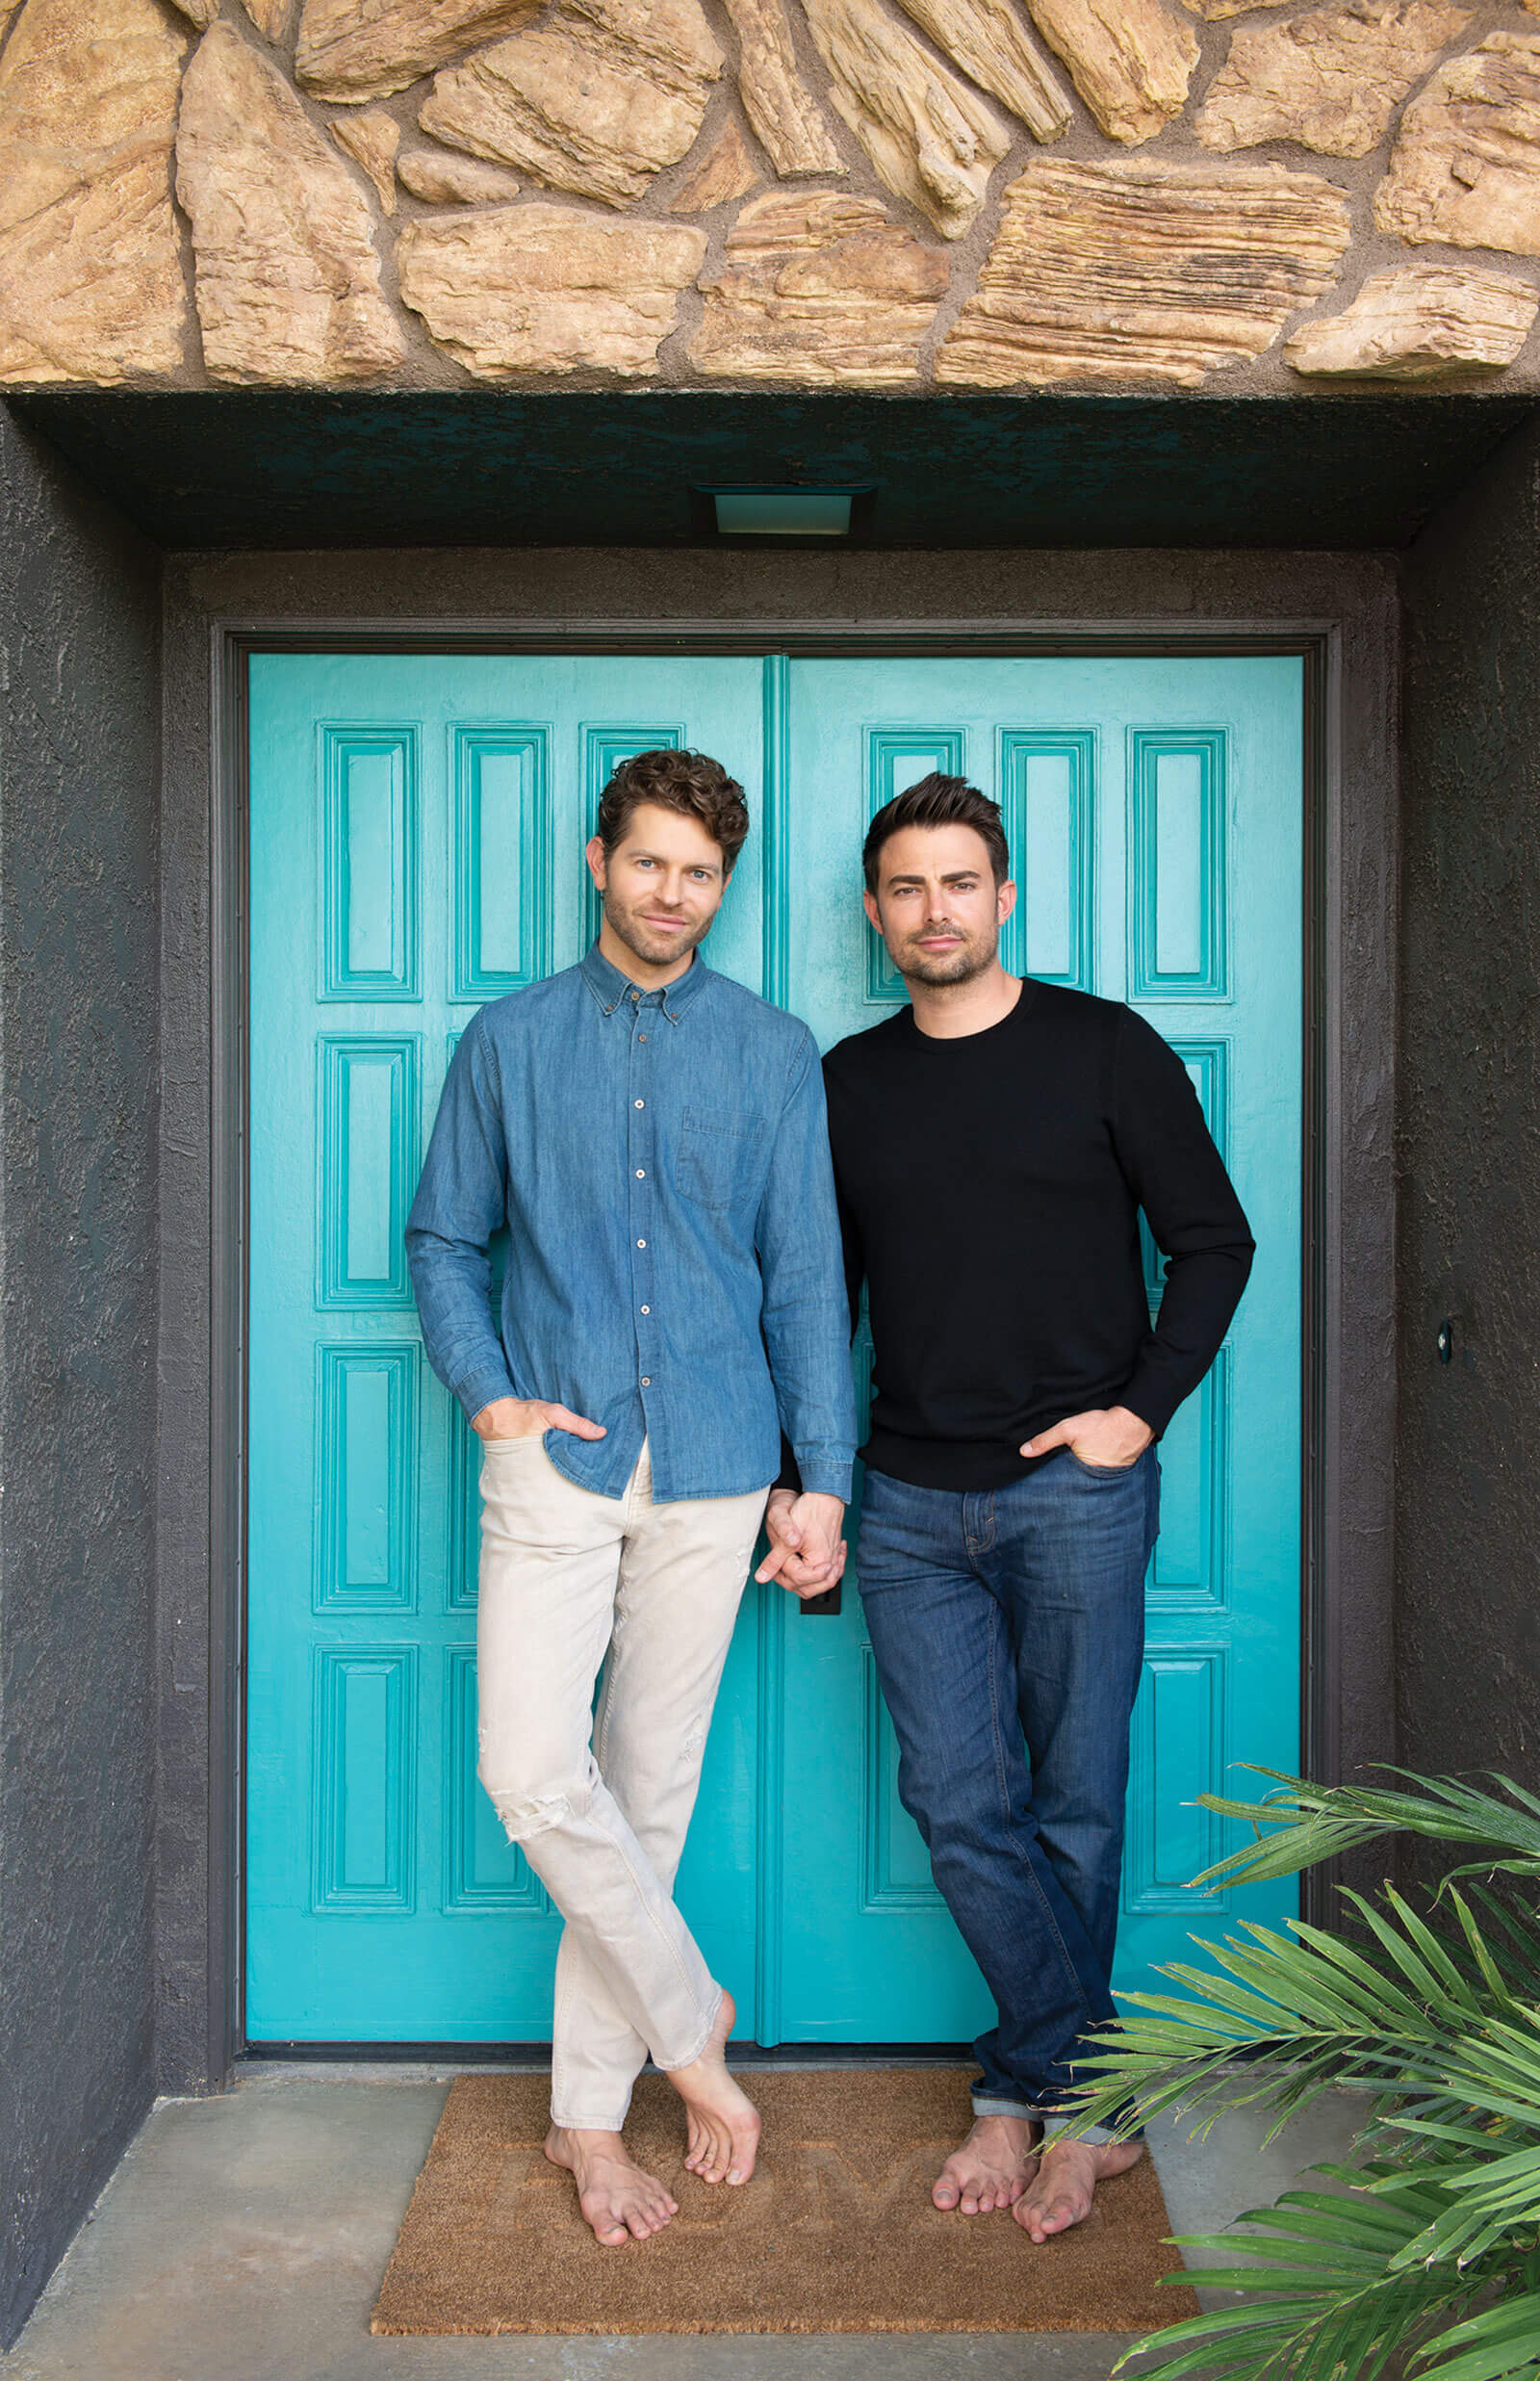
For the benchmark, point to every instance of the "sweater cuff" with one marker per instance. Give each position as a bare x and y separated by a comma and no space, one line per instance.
1152,1400
475,1389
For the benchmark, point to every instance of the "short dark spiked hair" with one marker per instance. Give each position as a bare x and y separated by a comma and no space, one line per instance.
938,801
690,783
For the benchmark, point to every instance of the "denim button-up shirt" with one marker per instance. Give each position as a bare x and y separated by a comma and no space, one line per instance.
661,1162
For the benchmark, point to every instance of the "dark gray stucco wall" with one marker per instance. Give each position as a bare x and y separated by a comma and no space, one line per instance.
79,769
1351,598
1468,1502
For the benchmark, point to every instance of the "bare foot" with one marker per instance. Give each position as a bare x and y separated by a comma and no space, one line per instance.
724,2123
993,2168
617,2199
1068,2175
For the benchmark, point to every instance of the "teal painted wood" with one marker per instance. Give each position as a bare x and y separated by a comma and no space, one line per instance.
415,839
1153,810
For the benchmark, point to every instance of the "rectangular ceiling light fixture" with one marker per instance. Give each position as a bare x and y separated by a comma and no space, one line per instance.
784,513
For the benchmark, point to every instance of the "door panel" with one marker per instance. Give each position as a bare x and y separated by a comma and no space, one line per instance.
1152,809
416,834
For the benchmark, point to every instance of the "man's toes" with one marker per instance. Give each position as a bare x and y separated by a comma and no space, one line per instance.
944,2193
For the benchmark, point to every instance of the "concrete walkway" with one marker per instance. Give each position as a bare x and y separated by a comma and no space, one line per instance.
244,2238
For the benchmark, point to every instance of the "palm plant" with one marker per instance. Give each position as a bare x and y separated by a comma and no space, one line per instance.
1426,2249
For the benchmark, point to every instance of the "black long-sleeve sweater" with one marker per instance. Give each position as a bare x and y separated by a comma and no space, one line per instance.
989,1189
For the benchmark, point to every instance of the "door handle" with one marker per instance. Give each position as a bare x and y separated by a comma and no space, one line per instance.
825,1607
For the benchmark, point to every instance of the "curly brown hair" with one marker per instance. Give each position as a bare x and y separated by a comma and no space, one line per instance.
690,783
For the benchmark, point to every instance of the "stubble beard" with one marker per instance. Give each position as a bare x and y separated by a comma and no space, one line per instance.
971,958
655,951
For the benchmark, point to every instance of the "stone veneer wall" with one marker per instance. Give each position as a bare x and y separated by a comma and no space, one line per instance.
1001,193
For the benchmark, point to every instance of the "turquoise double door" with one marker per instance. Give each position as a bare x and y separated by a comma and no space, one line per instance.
416,824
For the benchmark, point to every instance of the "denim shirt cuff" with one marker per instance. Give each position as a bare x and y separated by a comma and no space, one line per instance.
480,1388
822,1476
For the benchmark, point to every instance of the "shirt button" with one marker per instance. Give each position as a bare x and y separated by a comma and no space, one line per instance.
647,1309
646,1381
641,1173
637,995
640,1103
641,1037
641,1244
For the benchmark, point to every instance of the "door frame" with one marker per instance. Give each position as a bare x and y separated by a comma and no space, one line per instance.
1346,1189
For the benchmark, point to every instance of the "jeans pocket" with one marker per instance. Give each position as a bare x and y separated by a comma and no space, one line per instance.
721,1155
1106,1471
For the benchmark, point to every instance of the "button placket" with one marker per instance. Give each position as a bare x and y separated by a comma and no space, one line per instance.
640,1170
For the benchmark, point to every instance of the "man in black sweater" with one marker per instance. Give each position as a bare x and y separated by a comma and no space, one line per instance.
993,1145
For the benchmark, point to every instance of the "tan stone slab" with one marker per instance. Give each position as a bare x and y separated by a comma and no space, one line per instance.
929,134
287,280
1114,274
1466,166
270,18
597,98
1330,79
365,49
820,286
373,138
546,288
726,172
1131,61
1421,322
448,179
989,41
1212,9
782,111
199,12
90,268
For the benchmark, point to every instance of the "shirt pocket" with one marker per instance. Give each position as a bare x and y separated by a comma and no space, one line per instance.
721,1156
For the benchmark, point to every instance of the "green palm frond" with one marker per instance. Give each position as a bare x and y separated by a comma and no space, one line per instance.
1387,2018
1426,2258
1499,2342
1310,1824
1323,2293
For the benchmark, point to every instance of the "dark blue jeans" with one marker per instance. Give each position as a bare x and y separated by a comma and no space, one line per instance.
1008,1628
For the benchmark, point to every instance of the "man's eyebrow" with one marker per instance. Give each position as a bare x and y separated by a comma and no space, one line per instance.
953,876
643,851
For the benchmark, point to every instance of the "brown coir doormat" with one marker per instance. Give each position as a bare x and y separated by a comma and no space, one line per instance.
835,2233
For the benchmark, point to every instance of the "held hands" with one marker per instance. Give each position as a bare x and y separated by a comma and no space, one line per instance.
530,1418
1110,1437
807,1552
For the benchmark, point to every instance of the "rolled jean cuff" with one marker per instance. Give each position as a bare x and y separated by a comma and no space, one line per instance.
1096,2136
987,2103
673,2065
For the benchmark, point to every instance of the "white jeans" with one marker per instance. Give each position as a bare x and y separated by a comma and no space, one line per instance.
600,1802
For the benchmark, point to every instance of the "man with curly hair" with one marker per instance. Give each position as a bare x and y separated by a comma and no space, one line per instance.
653,1138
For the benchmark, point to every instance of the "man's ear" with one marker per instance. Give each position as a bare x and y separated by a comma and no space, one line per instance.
1005,901
594,854
868,902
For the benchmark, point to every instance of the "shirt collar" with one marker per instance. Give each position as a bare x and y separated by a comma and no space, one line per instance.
609,987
